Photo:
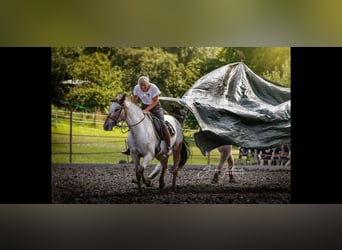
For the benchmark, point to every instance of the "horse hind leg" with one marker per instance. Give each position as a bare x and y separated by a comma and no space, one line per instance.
225,152
163,161
174,177
230,169
176,160
216,177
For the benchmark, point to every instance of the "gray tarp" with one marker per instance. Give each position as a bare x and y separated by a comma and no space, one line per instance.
235,106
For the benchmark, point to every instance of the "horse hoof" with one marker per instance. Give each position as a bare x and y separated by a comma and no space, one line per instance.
232,180
141,169
149,183
215,179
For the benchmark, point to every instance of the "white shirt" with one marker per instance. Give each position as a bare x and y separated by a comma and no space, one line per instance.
146,97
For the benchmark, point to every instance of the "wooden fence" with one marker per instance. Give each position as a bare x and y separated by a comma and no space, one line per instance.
91,120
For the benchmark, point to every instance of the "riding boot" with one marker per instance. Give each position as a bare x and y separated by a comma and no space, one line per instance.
126,151
167,141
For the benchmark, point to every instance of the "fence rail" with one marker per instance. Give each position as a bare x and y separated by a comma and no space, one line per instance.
78,142
119,142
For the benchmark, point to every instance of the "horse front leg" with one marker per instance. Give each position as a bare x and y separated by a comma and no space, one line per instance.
138,175
141,169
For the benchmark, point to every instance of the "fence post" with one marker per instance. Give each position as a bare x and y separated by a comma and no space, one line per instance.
56,121
95,117
70,137
208,158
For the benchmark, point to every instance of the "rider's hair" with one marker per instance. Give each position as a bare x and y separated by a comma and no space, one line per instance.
143,79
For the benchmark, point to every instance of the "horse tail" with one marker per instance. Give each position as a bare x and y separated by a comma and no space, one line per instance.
185,153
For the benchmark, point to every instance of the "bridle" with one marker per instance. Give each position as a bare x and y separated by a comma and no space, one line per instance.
116,122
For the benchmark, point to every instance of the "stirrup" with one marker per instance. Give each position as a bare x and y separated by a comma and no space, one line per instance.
126,151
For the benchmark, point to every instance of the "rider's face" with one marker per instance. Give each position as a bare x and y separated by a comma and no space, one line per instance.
144,86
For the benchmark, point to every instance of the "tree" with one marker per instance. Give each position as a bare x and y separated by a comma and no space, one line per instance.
105,71
102,81
262,60
61,59
281,77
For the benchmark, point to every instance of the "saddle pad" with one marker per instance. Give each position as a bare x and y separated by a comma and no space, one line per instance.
170,128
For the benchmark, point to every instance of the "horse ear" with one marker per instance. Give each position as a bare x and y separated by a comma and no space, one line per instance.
119,98
122,99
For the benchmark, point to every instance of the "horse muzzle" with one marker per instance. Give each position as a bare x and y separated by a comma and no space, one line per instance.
108,126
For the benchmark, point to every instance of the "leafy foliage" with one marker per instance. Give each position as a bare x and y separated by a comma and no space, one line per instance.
91,76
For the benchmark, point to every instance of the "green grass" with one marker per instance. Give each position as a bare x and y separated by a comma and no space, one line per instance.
94,145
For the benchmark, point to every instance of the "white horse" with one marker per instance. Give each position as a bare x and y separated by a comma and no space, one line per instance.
143,141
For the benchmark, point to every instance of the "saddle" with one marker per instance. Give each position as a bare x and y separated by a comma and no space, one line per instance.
157,124
158,128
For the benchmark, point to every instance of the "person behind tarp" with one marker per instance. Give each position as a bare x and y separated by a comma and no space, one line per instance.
265,154
149,93
288,163
280,155
244,152
284,157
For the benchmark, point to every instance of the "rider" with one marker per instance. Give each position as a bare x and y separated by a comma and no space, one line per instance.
148,94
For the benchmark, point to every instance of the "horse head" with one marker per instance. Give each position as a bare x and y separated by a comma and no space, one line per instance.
116,112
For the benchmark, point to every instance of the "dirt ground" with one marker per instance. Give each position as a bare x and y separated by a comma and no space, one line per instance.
112,184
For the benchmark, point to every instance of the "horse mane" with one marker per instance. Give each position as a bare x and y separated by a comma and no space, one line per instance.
133,106
121,99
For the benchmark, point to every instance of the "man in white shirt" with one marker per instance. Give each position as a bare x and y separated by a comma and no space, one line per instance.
149,93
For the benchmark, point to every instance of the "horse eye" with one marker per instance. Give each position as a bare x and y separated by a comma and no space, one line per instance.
117,109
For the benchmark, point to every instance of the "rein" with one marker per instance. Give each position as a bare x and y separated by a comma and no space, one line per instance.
129,126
